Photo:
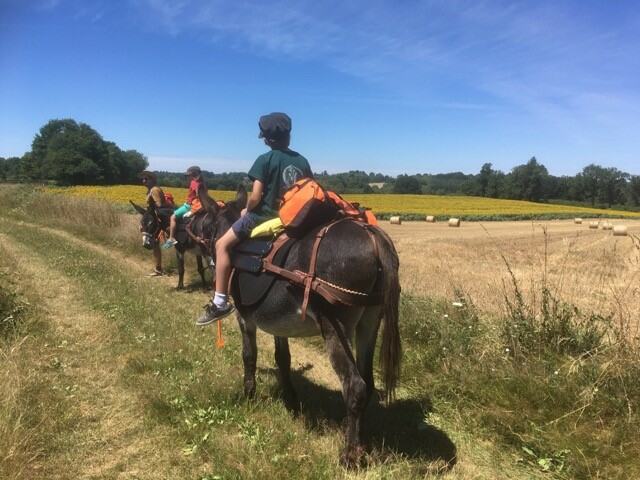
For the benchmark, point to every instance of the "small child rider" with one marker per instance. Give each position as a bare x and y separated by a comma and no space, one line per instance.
272,174
156,198
195,182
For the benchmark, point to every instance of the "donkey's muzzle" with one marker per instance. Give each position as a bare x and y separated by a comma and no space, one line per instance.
147,241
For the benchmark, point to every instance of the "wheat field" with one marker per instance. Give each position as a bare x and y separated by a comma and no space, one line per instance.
591,269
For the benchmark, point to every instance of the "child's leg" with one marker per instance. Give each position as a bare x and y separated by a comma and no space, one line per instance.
220,306
223,266
179,213
172,227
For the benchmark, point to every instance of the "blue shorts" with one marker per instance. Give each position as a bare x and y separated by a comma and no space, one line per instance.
179,213
243,226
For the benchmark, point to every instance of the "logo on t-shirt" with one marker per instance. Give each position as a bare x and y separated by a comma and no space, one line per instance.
291,174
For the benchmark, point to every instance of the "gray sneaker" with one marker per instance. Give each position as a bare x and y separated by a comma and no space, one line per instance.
213,313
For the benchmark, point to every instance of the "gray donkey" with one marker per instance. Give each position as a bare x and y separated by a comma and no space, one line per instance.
352,259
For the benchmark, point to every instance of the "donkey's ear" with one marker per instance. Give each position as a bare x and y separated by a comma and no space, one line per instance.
138,208
241,196
207,202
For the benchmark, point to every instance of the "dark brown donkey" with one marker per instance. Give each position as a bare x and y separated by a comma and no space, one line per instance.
349,257
195,236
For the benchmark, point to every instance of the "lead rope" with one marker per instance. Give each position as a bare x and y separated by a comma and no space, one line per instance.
219,339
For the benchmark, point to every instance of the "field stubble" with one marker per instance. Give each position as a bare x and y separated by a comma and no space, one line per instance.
590,269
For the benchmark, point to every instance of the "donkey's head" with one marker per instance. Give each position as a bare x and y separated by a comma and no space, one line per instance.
222,216
150,225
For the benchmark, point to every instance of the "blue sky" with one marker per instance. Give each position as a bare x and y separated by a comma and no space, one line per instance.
402,86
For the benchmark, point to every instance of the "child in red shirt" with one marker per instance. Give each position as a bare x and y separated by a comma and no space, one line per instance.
196,182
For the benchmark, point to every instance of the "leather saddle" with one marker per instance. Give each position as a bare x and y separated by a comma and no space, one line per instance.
258,263
250,283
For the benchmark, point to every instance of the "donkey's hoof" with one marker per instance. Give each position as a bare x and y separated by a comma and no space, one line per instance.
352,457
249,390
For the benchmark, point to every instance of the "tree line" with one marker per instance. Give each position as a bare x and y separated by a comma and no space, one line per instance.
594,185
71,153
67,152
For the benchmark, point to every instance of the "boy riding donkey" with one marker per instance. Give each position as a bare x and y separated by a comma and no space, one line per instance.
272,174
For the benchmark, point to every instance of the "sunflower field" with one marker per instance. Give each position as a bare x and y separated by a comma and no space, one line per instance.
121,194
409,207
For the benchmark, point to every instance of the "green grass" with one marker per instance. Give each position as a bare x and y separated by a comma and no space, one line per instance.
36,412
557,386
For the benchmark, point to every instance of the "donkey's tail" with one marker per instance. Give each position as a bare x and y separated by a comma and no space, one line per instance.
391,348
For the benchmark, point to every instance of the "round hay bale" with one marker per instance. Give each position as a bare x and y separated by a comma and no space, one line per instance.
594,225
395,221
607,226
431,219
454,222
620,230
577,221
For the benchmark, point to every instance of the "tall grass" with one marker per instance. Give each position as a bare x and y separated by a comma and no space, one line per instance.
34,416
33,204
558,385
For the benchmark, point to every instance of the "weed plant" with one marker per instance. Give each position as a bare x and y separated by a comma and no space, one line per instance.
558,385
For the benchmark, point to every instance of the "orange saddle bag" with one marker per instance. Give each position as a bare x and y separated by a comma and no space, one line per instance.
304,206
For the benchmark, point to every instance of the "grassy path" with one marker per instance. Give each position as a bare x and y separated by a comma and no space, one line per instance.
148,396
109,437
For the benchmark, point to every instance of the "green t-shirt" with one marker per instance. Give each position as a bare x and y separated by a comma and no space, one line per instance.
277,170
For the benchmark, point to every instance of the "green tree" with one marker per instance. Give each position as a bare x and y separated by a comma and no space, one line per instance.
484,178
74,153
528,181
406,184
613,186
589,182
633,191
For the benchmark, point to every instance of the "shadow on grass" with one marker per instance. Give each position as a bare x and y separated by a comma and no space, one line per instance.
397,429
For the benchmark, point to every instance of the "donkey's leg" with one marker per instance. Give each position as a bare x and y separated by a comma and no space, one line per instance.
249,355
283,360
354,388
180,258
366,334
201,270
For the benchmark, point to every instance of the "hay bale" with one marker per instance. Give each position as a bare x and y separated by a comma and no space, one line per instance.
577,221
431,219
620,230
607,226
395,221
594,225
454,222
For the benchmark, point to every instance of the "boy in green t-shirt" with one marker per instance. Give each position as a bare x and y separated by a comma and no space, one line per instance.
272,174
